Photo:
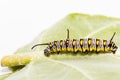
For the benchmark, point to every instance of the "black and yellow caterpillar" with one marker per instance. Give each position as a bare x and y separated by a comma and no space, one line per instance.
86,45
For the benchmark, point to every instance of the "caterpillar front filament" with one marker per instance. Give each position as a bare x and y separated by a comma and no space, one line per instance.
85,45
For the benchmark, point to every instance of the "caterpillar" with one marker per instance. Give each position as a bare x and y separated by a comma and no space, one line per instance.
84,45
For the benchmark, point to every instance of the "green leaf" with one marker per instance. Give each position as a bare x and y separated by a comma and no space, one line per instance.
69,67
47,69
3,77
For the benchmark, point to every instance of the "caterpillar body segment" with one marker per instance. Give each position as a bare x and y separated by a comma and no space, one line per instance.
85,45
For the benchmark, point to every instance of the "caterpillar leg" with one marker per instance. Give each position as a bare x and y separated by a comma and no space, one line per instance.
97,52
86,52
58,52
113,52
75,53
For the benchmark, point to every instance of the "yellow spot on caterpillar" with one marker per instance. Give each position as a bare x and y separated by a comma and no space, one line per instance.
71,49
81,42
76,49
101,49
79,49
68,49
61,43
84,49
93,49
108,49
97,42
74,43
50,45
98,49
67,41
104,43
54,50
63,49
58,49
89,42
55,42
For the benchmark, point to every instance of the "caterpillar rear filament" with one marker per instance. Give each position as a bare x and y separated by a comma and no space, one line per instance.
86,46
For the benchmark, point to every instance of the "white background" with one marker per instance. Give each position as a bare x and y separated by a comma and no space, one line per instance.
22,20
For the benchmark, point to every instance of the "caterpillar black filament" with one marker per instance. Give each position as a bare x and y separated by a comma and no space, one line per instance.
86,45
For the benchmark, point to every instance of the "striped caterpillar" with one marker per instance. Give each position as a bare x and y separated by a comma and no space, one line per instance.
86,46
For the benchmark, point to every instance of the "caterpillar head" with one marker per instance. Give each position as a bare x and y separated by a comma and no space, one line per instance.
46,52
